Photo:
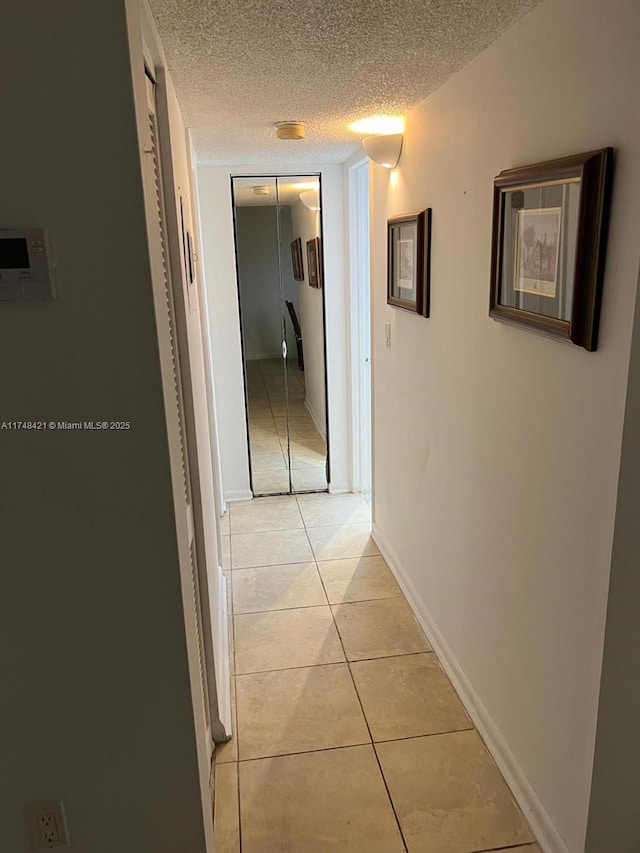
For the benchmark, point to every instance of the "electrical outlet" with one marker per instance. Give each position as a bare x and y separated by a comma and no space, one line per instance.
47,826
387,334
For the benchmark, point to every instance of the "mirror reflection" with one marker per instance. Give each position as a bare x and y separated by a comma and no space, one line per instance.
280,282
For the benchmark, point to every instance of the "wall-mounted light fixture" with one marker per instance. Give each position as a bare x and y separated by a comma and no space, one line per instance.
383,150
310,199
383,142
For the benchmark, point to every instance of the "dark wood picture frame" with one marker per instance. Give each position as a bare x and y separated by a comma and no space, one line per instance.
585,232
314,262
421,273
296,259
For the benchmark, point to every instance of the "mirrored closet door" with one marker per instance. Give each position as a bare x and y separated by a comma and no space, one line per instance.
279,262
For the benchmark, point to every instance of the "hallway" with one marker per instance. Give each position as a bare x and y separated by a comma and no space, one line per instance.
348,735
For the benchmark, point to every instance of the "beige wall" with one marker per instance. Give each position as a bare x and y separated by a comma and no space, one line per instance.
497,450
306,225
96,695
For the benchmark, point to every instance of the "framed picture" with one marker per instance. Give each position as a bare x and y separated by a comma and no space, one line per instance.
549,234
296,259
408,261
314,262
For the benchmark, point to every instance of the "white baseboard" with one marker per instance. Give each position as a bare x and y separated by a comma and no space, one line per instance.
233,497
549,839
339,489
321,427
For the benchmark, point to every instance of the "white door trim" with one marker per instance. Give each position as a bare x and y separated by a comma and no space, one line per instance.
360,324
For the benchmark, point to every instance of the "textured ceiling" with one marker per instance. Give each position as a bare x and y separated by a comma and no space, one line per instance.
239,67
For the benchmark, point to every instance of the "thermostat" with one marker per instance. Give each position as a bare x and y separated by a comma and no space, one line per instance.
26,264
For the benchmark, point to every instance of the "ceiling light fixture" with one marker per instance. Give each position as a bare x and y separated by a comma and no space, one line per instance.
310,199
290,130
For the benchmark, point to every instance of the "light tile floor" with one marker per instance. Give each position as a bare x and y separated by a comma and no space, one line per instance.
348,735
277,440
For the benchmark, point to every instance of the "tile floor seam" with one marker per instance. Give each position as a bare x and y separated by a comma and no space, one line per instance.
370,742
366,721
308,752
313,553
239,798
332,663
272,565
328,604
470,728
288,668
234,721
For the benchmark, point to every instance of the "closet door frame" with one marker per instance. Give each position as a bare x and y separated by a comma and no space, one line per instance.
277,176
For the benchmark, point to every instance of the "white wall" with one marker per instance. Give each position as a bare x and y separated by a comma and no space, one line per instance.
497,450
219,264
92,645
306,225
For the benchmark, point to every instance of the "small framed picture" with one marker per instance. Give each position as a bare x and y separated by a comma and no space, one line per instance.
408,261
314,262
549,235
296,259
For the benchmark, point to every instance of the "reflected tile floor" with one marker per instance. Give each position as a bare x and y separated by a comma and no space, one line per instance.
348,735
270,450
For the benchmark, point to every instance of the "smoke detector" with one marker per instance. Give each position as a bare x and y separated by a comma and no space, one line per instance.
290,130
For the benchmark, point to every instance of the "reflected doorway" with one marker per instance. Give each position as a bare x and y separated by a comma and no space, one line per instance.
278,234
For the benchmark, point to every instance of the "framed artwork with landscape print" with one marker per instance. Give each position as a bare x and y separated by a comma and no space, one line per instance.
408,251
549,235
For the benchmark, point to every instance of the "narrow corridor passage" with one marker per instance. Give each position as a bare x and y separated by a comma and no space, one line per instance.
348,734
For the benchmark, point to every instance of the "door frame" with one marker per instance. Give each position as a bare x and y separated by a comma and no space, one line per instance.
211,590
148,60
360,332
276,175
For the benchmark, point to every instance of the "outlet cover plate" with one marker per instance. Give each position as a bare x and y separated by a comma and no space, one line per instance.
47,825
